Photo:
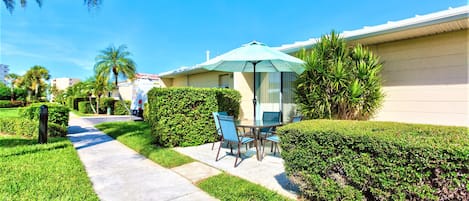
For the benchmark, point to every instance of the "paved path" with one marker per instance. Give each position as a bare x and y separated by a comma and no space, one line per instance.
119,173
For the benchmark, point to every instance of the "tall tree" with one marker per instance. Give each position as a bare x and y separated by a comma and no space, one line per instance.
13,78
115,62
34,80
10,4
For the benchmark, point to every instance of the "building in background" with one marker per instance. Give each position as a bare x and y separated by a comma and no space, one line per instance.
62,84
4,70
136,91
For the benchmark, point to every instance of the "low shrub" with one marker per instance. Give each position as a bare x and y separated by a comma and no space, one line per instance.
72,102
104,103
58,114
5,104
29,128
85,107
119,108
183,116
350,160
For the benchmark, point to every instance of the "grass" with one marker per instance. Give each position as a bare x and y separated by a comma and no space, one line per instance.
136,135
80,114
31,171
228,187
9,112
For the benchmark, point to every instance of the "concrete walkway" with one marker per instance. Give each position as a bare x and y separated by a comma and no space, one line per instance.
119,173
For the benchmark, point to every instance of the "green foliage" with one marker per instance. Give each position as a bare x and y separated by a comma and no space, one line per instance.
340,82
228,101
52,171
116,62
57,113
119,108
9,112
352,160
183,116
5,104
72,102
5,92
105,103
85,107
137,136
227,187
29,128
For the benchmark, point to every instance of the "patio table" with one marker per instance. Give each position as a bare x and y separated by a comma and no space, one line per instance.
255,127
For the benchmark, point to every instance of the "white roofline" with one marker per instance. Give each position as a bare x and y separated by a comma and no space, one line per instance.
451,14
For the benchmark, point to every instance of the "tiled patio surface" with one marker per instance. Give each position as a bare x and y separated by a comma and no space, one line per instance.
269,172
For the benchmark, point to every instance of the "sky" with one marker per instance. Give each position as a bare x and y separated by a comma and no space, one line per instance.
65,36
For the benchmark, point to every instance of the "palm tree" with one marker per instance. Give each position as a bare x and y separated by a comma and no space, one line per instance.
34,80
10,4
115,62
12,77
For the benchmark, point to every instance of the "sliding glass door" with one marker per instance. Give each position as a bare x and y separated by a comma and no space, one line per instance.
275,93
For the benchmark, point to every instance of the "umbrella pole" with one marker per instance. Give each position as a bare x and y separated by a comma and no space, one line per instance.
254,100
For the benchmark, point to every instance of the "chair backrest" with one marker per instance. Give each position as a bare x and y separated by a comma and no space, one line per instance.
215,118
228,128
296,119
271,116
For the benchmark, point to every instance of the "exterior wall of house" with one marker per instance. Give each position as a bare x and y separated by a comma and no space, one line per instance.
206,80
426,79
244,83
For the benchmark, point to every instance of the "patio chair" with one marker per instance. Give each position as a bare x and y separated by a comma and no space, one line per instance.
217,124
269,117
275,140
296,119
230,135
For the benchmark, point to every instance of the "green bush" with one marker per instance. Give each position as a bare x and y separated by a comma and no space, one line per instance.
104,103
352,160
29,128
5,104
85,107
119,108
228,101
183,116
58,114
72,102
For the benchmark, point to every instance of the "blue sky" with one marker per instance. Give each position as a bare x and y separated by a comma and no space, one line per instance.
162,35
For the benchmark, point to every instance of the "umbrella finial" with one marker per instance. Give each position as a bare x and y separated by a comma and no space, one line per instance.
254,43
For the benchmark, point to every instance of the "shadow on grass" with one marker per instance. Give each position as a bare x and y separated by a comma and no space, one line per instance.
14,141
18,146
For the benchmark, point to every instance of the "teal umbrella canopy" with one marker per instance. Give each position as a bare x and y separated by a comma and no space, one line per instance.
265,58
255,57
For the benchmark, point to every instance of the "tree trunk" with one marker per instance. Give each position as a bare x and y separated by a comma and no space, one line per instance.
92,105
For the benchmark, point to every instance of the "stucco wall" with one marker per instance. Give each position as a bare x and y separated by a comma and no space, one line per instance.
243,82
426,79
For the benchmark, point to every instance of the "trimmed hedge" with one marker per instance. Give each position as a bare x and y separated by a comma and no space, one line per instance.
85,107
58,114
104,103
119,108
183,116
9,104
72,102
350,160
29,128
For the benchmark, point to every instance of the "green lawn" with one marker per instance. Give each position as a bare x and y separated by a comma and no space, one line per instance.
227,187
136,135
53,171
9,112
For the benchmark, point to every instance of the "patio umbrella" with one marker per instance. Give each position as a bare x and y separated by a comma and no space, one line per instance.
255,57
